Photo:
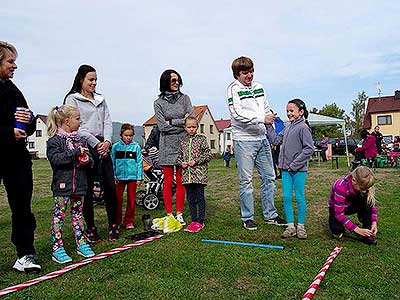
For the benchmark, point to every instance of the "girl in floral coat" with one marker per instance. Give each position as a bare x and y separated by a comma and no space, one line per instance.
194,156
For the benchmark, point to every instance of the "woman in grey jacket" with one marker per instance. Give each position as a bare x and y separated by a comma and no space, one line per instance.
296,149
96,128
171,109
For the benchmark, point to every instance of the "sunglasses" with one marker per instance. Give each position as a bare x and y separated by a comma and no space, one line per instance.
174,80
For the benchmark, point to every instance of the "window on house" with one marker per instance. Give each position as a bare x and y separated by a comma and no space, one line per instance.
38,133
228,136
211,129
212,144
201,128
385,120
31,145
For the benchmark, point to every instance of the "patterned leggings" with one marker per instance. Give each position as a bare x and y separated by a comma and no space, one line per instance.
60,207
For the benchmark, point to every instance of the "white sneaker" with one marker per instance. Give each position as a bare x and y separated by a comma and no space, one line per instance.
27,264
180,219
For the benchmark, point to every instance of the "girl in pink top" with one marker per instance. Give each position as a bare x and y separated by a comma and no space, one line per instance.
354,194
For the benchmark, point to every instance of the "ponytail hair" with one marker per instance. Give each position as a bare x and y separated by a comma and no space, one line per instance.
301,106
365,179
56,117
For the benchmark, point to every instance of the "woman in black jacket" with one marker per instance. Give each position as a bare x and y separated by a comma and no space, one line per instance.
15,160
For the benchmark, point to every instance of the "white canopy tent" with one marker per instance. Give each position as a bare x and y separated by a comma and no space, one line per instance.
316,120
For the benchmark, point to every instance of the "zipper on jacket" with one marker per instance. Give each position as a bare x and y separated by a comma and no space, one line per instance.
190,157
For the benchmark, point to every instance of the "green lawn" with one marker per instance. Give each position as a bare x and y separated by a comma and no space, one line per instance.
179,266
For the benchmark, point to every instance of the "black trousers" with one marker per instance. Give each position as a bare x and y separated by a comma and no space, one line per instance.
360,207
16,173
275,159
323,154
197,203
103,172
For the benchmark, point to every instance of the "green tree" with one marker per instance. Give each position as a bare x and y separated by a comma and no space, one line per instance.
358,113
332,110
329,110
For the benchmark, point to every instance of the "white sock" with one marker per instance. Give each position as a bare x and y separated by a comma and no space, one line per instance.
291,224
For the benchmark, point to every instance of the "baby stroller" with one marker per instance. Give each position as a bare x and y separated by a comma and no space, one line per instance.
151,197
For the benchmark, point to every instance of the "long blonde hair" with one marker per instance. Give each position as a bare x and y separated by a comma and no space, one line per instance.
365,179
56,117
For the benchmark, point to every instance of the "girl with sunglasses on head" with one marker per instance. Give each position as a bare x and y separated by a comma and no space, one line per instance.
171,109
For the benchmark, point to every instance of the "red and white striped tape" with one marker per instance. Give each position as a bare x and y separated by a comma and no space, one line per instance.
76,265
317,280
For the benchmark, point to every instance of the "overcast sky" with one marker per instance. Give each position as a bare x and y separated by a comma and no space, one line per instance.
320,51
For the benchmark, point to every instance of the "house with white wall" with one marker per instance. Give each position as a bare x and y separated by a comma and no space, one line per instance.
36,143
225,134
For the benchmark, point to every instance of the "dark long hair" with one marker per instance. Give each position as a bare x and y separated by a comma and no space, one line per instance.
165,81
79,77
364,133
301,106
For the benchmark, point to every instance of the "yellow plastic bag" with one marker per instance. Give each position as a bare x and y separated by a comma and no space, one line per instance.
166,224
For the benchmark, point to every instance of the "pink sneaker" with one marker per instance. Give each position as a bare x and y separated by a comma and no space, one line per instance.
199,227
192,227
129,226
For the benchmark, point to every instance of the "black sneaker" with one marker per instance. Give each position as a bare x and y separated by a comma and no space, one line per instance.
113,233
277,221
92,236
250,225
369,241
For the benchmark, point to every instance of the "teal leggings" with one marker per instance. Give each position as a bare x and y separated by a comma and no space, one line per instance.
294,181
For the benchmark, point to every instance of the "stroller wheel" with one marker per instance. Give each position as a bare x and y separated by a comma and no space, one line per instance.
139,197
151,201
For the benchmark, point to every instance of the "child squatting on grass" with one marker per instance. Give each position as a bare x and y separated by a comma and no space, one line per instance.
69,159
296,149
354,194
127,162
194,156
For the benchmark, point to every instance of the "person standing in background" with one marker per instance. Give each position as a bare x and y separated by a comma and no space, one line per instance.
227,156
16,124
378,137
324,146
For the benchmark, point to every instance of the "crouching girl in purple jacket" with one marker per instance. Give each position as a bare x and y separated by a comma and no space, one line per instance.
296,149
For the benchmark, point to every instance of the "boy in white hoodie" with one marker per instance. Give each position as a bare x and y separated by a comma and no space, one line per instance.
250,111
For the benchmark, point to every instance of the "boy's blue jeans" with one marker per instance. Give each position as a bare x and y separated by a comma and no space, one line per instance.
294,181
248,154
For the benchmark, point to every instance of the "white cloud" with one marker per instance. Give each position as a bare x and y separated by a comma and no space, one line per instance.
303,49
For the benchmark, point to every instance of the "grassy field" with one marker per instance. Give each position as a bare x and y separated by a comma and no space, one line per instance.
180,266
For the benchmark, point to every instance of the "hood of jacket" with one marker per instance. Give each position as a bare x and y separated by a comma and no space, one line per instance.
99,98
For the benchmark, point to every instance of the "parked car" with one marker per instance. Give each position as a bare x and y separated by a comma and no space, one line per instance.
339,146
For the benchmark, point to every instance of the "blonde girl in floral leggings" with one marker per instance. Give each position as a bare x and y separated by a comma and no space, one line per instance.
69,159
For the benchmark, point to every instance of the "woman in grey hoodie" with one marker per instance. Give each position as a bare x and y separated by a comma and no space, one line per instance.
96,128
171,109
296,149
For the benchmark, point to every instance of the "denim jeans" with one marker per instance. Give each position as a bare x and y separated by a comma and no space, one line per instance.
248,154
